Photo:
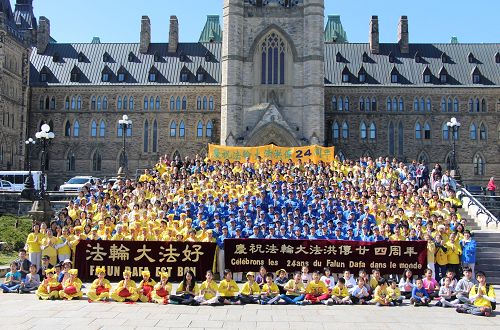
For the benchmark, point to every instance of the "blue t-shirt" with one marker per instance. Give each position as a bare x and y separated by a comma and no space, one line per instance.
15,276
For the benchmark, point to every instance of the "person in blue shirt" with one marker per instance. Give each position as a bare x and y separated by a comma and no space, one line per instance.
256,233
468,246
376,237
237,233
283,234
297,233
312,233
272,232
365,235
419,295
217,231
12,279
337,235
248,230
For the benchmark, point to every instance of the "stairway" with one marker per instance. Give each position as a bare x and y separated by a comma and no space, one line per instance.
488,254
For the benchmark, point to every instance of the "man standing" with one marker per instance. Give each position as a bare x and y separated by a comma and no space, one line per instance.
468,246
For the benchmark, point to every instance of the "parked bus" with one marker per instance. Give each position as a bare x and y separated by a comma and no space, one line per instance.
17,178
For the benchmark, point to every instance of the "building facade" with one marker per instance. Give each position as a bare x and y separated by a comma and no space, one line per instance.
271,73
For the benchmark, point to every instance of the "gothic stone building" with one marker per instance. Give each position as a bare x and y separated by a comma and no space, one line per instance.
271,74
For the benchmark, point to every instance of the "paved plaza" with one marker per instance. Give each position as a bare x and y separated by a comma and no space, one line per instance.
27,312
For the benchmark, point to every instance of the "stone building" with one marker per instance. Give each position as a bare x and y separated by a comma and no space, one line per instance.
272,73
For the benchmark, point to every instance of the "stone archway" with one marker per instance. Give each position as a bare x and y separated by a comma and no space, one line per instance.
272,133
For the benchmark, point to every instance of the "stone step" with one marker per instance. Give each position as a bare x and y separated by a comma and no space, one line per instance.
487,254
490,244
488,268
493,279
486,235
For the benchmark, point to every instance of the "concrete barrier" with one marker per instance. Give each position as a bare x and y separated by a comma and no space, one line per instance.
11,202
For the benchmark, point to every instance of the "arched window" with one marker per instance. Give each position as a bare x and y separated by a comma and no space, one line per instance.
374,104
53,103
273,50
418,131
67,129
341,103
373,131
427,131
334,103
173,129
199,129
158,103
66,103
182,129
346,103
79,103
473,131
146,103
478,165
102,128
455,105
209,129
93,103
345,130
99,103
125,103
395,104
477,108
362,131
341,156
119,131
445,131
73,103
198,103
450,105
391,137
119,103
93,129
471,105
361,103
155,136
482,132
483,105
96,161
401,139
429,104
184,103
335,131
204,103
70,161
146,136
178,103
368,104
172,103
423,158
422,104
211,103
389,104
449,161
76,129
401,104
152,103
129,130
131,103
105,103
415,104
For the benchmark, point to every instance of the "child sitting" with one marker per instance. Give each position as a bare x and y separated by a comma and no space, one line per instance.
71,286
328,279
316,290
227,289
251,291
359,294
270,293
295,290
419,296
430,284
162,290
49,288
305,276
446,294
375,279
31,282
407,283
12,279
281,280
208,291
126,289
340,295
394,293
146,287
380,296
186,291
99,290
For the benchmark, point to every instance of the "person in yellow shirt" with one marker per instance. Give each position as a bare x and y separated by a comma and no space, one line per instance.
33,246
316,290
295,290
126,289
208,291
375,279
162,290
394,293
100,287
454,251
145,287
441,259
49,288
380,296
186,291
482,297
250,292
270,293
72,286
228,289
340,295
48,244
62,245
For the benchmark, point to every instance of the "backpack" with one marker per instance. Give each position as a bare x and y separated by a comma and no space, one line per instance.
493,303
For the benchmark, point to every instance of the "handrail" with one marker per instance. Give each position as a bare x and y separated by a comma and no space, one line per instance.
481,209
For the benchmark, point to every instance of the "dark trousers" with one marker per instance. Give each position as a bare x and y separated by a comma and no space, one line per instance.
184,299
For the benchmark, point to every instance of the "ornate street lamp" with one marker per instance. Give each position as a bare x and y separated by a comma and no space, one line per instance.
29,184
454,125
125,123
44,136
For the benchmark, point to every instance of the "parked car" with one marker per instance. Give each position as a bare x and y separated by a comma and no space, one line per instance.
6,186
76,183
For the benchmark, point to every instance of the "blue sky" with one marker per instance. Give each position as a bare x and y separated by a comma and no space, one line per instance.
119,20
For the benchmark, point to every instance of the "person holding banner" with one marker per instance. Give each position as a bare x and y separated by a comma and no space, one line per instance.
126,289
162,290
100,287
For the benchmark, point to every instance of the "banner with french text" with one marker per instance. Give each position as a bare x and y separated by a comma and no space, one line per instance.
117,256
391,257
272,152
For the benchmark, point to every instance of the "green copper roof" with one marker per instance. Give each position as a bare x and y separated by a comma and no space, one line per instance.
212,31
454,40
334,32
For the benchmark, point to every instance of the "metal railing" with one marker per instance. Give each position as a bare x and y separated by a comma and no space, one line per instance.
487,205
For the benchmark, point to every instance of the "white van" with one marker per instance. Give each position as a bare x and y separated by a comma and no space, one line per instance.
17,178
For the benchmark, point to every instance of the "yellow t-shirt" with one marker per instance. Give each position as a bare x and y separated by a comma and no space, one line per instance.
270,291
181,289
250,289
393,294
228,289
480,301
340,292
34,246
316,288
290,285
65,249
208,290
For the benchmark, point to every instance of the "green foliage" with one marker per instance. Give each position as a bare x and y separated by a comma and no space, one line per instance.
12,236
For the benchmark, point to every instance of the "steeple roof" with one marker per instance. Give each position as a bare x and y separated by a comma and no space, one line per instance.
23,15
334,31
212,31
6,9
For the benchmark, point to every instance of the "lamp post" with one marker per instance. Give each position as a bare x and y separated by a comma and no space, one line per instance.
125,123
29,184
44,136
454,125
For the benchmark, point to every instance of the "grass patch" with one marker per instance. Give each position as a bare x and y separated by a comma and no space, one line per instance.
7,257
14,238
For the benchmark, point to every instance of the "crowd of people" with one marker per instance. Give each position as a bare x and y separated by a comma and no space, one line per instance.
210,201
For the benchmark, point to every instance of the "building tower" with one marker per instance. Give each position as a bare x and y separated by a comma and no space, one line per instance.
272,72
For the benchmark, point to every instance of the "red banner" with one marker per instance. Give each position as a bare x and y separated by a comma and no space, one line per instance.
391,257
117,256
